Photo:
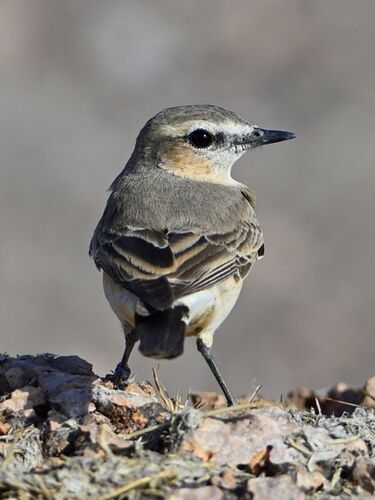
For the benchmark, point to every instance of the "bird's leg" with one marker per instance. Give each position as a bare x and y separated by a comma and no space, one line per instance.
205,350
122,371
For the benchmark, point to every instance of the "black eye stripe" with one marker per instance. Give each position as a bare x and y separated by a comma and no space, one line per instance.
219,137
201,138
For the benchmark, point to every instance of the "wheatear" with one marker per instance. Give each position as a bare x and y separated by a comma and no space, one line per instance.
179,235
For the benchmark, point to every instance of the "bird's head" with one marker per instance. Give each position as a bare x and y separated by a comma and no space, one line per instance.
201,141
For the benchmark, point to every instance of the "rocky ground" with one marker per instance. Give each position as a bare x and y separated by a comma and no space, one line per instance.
66,433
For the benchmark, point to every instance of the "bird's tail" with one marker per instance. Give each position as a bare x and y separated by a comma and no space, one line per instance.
162,334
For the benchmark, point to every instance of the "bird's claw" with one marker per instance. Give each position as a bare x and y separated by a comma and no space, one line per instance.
120,377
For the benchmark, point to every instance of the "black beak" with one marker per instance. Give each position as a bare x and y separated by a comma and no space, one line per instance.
261,136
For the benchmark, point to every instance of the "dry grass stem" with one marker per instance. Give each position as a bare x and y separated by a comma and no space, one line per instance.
255,393
237,408
136,484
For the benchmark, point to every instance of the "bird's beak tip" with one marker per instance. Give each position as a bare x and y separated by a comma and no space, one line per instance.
271,136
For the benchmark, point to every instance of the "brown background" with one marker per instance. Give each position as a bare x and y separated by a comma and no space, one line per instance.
78,80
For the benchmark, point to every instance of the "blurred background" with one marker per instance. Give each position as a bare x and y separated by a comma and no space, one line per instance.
79,79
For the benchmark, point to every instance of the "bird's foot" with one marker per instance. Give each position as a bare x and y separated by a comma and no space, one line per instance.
120,377
231,401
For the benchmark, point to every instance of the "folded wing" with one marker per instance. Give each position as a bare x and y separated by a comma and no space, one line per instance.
161,267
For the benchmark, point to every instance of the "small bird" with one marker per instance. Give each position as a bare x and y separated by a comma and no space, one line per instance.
179,234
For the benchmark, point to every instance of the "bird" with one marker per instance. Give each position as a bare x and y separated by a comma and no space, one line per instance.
178,234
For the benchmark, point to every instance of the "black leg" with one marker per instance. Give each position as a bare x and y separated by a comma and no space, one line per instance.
122,371
206,353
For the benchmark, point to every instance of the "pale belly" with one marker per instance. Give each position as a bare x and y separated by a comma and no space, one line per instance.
207,308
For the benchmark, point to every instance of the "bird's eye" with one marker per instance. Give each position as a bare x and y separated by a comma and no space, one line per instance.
200,138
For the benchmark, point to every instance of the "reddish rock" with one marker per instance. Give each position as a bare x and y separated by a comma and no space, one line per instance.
202,493
207,400
133,398
363,474
260,461
225,480
103,437
235,439
357,445
23,399
4,429
280,488
309,482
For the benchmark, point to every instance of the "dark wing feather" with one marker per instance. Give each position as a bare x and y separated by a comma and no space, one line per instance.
139,260
161,267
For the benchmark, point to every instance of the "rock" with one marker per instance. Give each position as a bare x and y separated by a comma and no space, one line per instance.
308,482
103,437
260,461
61,440
17,377
143,389
225,480
280,488
234,440
207,400
342,398
133,397
65,433
126,399
72,364
128,410
23,399
369,391
302,399
202,493
73,402
56,382
339,399
363,474
3,357
4,429
357,445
